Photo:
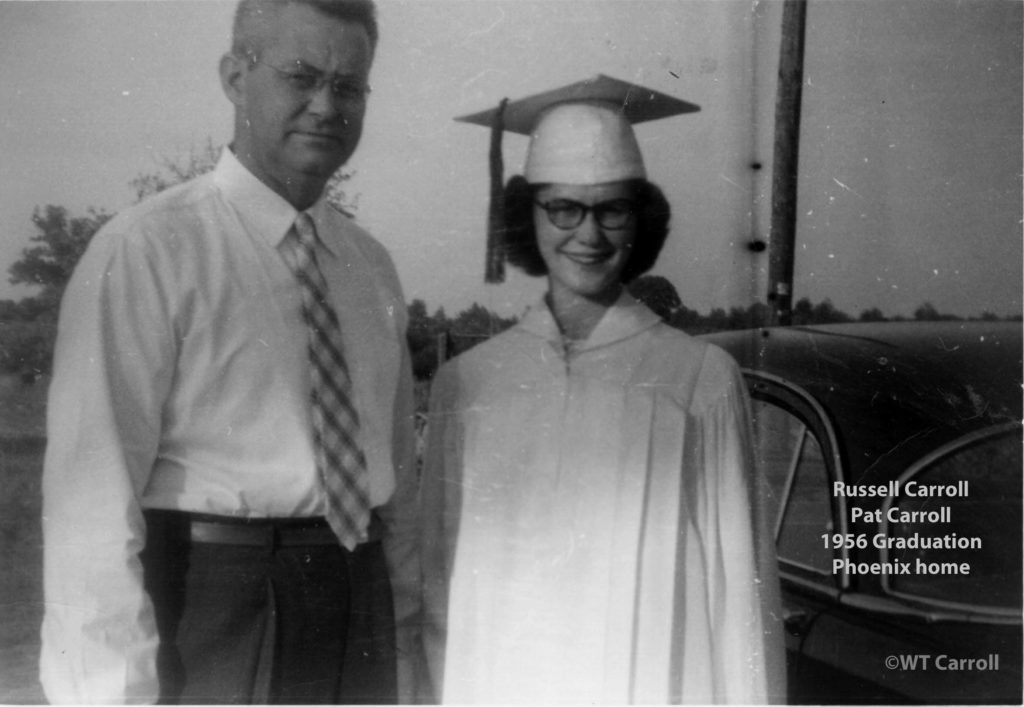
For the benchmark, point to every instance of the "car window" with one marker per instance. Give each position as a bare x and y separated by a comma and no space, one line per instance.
789,457
978,531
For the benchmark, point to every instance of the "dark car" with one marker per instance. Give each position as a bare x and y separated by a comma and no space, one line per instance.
891,453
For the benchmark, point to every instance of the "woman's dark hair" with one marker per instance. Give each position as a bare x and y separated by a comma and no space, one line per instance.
520,236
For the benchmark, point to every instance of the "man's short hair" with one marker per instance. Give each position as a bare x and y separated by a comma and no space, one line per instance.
250,14
520,237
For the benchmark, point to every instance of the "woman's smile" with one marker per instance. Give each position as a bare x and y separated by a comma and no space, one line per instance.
593,257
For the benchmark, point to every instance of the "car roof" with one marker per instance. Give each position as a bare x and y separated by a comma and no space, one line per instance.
893,389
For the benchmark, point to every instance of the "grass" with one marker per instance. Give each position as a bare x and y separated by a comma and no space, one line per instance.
22,441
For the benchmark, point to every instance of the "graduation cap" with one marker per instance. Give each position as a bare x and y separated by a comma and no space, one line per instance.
579,134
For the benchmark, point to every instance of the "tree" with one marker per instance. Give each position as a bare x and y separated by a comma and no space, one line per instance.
826,313
467,329
171,172
476,324
27,309
717,320
871,315
688,320
928,313
59,243
803,312
26,348
657,293
421,336
337,196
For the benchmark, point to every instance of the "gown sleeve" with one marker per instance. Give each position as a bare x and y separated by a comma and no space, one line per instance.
439,517
744,588
401,545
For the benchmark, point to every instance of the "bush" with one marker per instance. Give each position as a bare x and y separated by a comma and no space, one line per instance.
26,348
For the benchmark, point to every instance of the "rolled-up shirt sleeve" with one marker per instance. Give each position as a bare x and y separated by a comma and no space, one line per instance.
113,367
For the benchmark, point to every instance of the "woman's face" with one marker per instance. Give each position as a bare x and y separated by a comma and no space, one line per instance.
585,235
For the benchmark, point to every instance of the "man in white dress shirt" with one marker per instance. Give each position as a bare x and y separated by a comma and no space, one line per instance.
190,549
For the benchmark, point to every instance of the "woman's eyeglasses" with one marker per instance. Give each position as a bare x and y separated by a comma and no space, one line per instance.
566,213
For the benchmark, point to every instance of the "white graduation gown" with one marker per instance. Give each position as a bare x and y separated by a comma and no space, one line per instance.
591,513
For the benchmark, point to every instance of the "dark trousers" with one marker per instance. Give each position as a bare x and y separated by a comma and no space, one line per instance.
306,624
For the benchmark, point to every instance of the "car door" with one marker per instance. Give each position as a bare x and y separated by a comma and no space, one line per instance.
841,638
797,455
965,590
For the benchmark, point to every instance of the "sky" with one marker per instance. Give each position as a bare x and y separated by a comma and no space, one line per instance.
910,156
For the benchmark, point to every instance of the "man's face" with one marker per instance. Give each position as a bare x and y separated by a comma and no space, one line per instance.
287,133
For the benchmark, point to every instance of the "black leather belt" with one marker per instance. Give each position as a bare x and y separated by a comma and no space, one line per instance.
261,532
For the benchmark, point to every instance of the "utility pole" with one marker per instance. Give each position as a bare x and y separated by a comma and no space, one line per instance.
782,237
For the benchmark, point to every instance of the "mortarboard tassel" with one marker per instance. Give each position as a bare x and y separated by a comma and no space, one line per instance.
495,266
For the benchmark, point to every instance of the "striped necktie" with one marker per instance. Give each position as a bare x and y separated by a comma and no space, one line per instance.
340,462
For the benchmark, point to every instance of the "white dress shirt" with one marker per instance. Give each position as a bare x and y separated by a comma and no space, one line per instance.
592,510
181,381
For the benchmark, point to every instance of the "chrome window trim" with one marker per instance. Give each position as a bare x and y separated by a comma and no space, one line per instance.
890,606
836,470
975,613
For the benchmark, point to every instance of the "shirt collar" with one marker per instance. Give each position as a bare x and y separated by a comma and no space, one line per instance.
626,318
263,211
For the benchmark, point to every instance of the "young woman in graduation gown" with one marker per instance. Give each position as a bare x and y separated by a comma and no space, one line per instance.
591,527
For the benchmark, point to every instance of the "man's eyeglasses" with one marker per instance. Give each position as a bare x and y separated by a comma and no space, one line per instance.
306,81
567,214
